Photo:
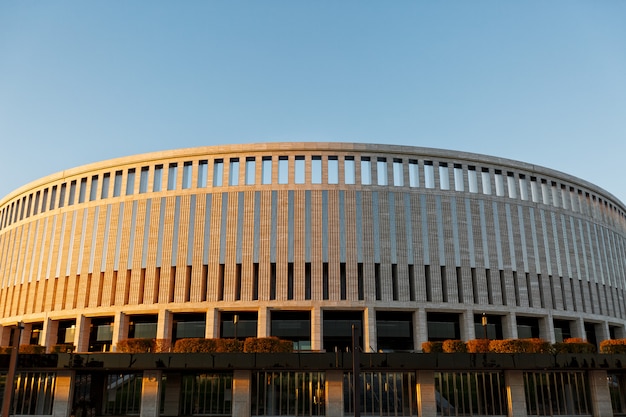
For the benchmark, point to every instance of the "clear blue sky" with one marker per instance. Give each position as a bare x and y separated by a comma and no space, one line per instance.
539,81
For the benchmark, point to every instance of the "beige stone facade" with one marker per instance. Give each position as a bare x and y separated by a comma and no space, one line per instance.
144,244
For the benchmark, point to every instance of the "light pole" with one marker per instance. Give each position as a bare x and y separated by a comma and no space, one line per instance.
235,323
356,377
8,384
484,323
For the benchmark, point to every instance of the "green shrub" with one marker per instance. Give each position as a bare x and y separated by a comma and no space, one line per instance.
135,345
32,349
454,346
432,347
613,346
267,345
478,346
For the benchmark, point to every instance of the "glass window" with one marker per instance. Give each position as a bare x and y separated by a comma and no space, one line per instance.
545,192
555,194
72,196
93,192
349,170
203,170
61,198
414,173
130,182
82,190
283,170
157,184
429,174
574,199
366,171
510,178
534,190
398,173
300,169
172,174
458,178
218,172
444,176
381,171
117,184
143,180
187,174
266,170
36,206
233,172
523,187
106,181
564,197
44,200
316,170
333,170
499,183
250,170
53,196
472,179
486,180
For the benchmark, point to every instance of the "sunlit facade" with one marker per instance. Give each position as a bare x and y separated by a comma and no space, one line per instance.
304,241
301,240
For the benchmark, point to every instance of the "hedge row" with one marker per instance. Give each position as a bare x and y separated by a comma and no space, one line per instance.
250,345
201,345
535,345
613,346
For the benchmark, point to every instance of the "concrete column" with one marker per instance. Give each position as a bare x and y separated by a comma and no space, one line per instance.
63,394
421,328
242,392
172,395
150,386
81,335
578,328
370,341
516,398
164,325
508,325
263,323
25,336
546,329
120,328
602,332
468,332
5,336
212,326
50,330
334,393
317,331
426,398
512,326
600,394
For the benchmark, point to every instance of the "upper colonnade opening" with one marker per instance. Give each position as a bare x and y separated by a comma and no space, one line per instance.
215,169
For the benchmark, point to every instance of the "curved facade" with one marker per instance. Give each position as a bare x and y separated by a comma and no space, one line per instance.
302,240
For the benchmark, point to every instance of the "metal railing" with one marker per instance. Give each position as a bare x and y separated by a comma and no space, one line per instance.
470,394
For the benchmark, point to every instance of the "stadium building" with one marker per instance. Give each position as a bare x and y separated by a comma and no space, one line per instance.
302,241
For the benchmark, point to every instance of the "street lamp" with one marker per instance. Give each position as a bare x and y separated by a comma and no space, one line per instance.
484,323
235,323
